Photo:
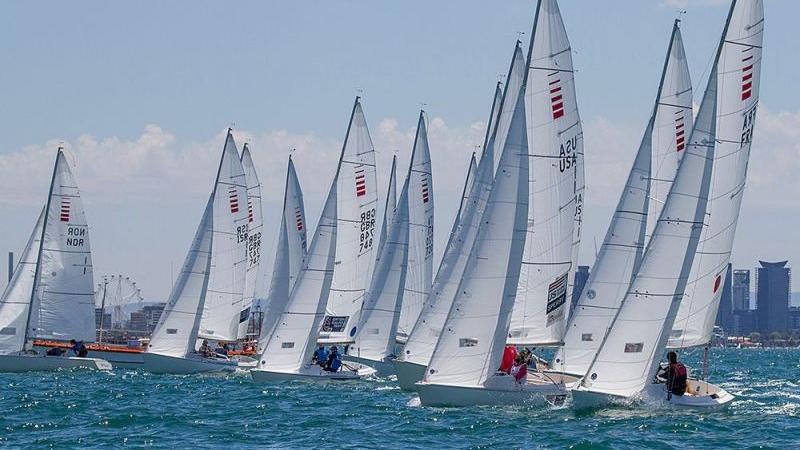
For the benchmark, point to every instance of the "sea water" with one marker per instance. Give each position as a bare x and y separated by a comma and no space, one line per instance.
85,409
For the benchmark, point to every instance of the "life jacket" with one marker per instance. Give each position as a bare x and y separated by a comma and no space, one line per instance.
678,378
509,355
336,363
521,372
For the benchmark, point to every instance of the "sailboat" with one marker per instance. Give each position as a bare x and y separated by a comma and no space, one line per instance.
739,77
290,254
50,295
254,225
621,253
420,240
556,138
463,364
626,362
357,239
206,300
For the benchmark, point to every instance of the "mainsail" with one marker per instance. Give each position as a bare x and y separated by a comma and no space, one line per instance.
739,76
472,341
391,204
419,276
254,225
290,254
621,253
357,237
556,142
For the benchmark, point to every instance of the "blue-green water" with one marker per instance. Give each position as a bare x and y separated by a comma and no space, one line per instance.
127,408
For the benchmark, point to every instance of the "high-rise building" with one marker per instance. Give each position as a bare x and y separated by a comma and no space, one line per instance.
725,310
581,276
773,285
741,289
101,318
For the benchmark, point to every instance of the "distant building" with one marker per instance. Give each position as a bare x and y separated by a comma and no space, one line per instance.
744,323
773,285
138,321
741,290
581,276
152,314
106,319
725,311
794,318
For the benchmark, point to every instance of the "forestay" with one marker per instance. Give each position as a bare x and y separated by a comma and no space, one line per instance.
357,194
62,304
739,70
290,346
556,140
391,204
254,225
226,279
638,335
474,334
621,253
290,254
420,235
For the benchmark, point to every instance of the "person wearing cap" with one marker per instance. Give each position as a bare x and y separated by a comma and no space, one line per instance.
334,360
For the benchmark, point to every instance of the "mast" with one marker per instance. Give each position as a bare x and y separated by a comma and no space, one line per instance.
103,309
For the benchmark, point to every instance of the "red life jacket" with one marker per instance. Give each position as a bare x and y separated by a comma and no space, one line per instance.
509,355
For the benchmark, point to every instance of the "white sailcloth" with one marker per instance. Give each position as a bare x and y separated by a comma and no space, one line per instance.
226,279
621,253
419,275
176,332
391,204
254,225
638,335
290,254
673,121
291,343
739,70
357,237
17,296
556,139
381,311
472,341
63,300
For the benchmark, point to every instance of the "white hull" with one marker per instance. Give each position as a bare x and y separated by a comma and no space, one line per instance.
382,368
498,390
118,359
700,395
156,363
32,363
311,373
408,374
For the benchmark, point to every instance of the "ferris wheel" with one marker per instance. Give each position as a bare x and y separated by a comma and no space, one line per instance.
117,295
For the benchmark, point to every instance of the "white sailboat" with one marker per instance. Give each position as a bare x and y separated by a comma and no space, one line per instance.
410,366
288,351
621,253
357,237
254,224
290,254
391,203
420,236
554,131
50,295
626,363
206,299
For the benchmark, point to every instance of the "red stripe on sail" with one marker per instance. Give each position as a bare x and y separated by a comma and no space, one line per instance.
679,131
555,90
233,197
64,209
747,77
746,68
361,183
298,218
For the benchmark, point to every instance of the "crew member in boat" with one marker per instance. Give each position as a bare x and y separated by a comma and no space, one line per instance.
509,356
55,351
222,349
674,375
79,348
205,349
320,356
334,362
520,369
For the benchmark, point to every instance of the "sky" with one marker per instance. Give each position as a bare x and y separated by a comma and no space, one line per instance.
141,93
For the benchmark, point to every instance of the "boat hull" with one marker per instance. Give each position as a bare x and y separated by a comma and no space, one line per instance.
310,373
700,395
382,368
122,359
165,364
34,363
408,374
498,390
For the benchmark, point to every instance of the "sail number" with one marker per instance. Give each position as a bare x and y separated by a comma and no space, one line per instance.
241,233
75,236
429,238
747,126
367,230
253,248
567,154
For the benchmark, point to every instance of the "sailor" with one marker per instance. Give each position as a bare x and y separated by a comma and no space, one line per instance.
205,350
520,369
509,355
674,375
320,356
222,349
55,351
79,348
334,362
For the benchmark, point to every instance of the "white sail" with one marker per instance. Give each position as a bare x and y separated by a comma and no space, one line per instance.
739,70
422,340
419,276
381,312
176,332
63,301
630,350
226,279
290,254
673,122
357,237
472,341
254,225
391,204
17,296
291,343
621,253
556,140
